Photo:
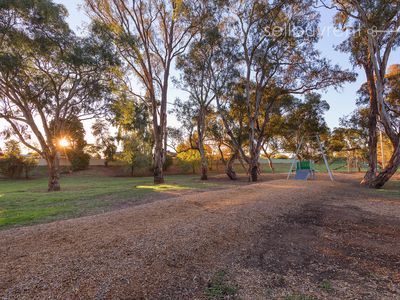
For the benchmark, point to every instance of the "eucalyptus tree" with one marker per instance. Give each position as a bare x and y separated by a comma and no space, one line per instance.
134,131
350,139
375,33
228,152
47,76
148,35
105,142
198,71
303,122
277,57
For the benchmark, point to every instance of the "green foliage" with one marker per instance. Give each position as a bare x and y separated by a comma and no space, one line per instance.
70,129
12,148
136,152
105,143
13,164
188,158
352,135
55,76
304,121
79,160
168,162
326,286
132,119
218,288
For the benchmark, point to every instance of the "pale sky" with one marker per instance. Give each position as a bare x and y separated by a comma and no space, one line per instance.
341,102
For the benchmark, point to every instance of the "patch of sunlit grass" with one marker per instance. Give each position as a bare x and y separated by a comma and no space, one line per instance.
25,202
162,187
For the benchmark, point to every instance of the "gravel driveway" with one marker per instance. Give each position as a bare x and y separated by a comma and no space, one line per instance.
271,240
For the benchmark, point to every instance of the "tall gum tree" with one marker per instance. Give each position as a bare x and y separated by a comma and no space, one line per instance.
277,56
376,24
47,76
198,72
148,35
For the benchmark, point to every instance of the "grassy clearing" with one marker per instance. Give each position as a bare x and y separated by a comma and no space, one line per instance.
24,202
391,189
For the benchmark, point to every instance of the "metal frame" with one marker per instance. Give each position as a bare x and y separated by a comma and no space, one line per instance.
325,160
294,158
322,153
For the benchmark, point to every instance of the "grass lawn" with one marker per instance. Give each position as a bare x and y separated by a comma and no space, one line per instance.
24,202
391,189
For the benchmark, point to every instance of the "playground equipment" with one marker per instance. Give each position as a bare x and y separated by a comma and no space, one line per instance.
305,170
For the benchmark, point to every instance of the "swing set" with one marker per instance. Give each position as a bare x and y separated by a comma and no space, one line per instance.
305,169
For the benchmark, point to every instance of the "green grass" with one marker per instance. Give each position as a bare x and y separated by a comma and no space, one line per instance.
24,202
390,189
219,288
326,286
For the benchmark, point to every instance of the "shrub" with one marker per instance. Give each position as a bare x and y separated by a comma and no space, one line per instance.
168,162
79,160
14,166
30,164
11,167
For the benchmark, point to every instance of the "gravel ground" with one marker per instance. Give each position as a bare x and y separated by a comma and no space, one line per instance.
272,240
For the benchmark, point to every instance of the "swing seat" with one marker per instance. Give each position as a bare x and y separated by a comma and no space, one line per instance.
305,169
304,174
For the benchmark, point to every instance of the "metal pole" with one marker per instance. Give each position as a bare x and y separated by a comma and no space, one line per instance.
325,160
294,158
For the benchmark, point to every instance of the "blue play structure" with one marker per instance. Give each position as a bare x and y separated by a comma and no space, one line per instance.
305,170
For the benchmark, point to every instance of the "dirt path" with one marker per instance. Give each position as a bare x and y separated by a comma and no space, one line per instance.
262,241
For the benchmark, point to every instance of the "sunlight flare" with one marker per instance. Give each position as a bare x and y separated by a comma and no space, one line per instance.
64,142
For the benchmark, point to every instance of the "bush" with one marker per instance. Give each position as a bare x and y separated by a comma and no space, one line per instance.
30,164
187,166
79,160
168,162
14,166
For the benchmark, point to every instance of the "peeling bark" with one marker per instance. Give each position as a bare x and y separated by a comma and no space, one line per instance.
372,126
229,167
390,169
53,166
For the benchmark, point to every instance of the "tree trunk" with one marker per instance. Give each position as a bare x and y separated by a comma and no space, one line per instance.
372,155
254,173
203,158
204,171
253,170
229,168
158,165
53,166
391,168
372,129
271,164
